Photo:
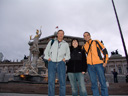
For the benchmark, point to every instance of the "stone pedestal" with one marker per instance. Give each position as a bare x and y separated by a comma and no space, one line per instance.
30,79
35,58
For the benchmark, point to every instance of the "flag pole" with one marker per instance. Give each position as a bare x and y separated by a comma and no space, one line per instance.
125,50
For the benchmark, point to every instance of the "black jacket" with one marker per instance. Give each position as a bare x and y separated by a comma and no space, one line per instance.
77,63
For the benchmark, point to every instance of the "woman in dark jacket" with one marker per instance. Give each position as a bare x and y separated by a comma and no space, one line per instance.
76,68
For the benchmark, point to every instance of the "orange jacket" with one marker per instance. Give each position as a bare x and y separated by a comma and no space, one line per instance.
94,54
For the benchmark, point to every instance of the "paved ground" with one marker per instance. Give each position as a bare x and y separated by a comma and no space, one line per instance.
18,94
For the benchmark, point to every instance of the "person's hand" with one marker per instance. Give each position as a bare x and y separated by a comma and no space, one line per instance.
104,64
64,59
49,59
83,73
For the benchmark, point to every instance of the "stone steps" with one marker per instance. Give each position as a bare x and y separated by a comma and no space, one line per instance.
18,87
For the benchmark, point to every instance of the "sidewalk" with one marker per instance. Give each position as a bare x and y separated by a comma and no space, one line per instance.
18,94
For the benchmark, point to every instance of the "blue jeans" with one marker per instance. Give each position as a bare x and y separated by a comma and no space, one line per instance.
73,77
60,68
93,71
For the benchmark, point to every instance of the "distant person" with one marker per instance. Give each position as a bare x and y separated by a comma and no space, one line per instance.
57,54
115,76
127,78
76,68
96,64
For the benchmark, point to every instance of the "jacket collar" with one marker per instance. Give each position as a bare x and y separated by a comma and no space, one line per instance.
89,42
63,41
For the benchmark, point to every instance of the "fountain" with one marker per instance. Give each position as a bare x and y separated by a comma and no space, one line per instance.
29,71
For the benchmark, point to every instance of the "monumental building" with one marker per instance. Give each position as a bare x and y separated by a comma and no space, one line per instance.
116,61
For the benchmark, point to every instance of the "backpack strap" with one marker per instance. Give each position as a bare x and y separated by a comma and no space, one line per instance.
89,47
52,41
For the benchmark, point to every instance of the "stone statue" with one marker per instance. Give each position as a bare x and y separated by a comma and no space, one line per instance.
35,47
116,51
1,56
40,63
30,64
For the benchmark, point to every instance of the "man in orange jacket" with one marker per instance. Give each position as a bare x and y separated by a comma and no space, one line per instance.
96,63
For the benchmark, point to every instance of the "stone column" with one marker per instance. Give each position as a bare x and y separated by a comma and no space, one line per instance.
115,65
123,68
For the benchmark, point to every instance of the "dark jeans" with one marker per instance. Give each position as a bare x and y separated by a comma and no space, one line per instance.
115,80
60,68
94,71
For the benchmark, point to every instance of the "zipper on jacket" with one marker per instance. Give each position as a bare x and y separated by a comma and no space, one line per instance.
91,56
58,49
57,52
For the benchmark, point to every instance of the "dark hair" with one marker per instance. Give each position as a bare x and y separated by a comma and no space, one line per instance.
73,40
60,30
71,47
86,32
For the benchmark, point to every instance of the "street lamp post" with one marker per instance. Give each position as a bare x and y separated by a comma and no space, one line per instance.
125,50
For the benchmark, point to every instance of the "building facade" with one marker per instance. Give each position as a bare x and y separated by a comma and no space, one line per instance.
116,61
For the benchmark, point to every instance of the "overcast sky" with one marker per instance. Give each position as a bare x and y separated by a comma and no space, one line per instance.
20,18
